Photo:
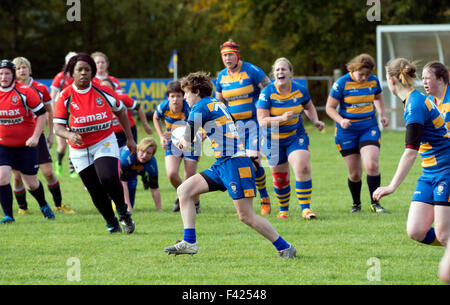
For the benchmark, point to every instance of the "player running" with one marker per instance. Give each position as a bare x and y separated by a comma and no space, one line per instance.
19,136
232,171
427,135
23,76
83,114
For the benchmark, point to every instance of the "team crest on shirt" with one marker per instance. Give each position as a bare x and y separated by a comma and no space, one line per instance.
233,187
15,100
301,141
99,101
373,132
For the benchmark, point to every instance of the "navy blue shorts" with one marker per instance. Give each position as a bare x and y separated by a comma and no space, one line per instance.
23,159
43,151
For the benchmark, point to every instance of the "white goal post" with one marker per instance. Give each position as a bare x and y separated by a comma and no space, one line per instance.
421,43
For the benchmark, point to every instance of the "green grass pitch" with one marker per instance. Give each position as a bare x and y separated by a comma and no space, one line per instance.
338,248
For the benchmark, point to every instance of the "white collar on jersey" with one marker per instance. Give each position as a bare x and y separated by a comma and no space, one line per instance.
9,88
31,81
83,91
102,76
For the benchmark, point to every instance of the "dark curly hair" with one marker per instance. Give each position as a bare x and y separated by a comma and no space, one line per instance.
81,57
198,82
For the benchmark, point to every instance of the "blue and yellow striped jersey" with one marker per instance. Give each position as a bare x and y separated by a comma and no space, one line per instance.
241,90
444,106
216,120
435,141
171,119
356,99
277,104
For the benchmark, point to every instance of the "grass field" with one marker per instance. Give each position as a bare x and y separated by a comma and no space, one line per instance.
337,248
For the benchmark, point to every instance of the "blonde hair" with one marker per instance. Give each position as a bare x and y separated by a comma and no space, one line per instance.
403,70
22,61
146,143
98,53
291,68
361,61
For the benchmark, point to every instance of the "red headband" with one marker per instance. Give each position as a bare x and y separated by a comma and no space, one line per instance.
230,47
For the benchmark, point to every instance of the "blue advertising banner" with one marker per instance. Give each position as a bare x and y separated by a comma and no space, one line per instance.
149,92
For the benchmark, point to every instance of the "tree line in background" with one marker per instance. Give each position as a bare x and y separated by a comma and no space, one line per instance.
139,36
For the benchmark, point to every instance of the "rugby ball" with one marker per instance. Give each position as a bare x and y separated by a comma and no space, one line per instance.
178,133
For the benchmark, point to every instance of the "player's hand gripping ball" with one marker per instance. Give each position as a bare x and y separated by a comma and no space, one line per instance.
178,134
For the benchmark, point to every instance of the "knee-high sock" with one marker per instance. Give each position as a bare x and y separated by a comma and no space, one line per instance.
304,192
355,190
55,190
373,182
21,197
39,195
6,200
260,179
282,188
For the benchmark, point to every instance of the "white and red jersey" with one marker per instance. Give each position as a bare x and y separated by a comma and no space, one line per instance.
97,80
87,112
130,104
61,81
17,123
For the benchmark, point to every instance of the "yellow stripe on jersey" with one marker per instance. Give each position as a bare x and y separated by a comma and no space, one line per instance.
245,172
356,85
425,147
234,78
221,121
364,109
237,92
242,115
173,115
211,106
281,110
285,97
283,135
444,108
428,104
290,122
240,102
359,99
438,122
430,161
